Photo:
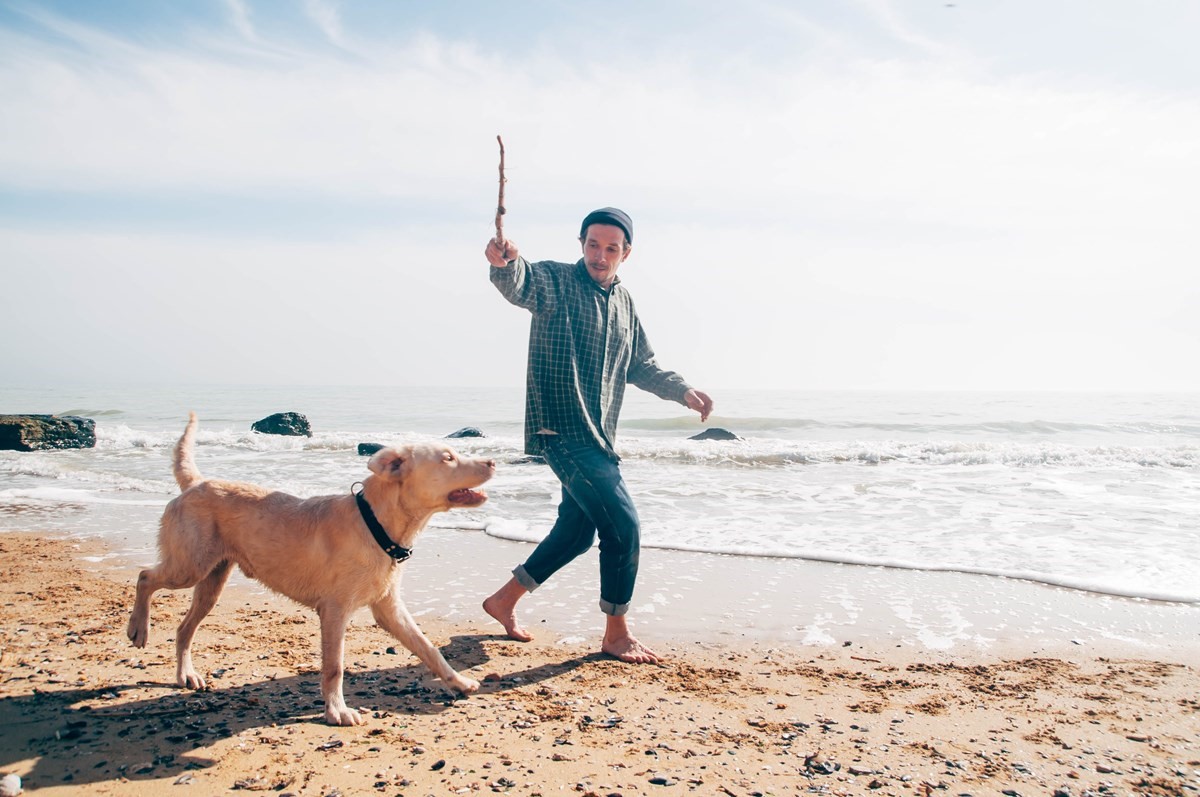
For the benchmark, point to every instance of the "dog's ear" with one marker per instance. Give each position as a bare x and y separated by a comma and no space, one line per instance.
386,462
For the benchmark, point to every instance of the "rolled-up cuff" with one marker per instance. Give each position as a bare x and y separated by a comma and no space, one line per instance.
614,609
524,579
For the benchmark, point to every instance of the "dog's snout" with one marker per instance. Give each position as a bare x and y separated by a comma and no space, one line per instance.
491,463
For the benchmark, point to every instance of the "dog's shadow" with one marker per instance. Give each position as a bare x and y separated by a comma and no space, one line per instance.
81,736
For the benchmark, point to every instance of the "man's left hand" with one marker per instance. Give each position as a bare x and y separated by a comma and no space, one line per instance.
699,401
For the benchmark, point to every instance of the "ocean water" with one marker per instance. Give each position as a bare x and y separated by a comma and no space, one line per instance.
1096,492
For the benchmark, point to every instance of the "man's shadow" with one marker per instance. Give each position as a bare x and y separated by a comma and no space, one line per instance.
79,735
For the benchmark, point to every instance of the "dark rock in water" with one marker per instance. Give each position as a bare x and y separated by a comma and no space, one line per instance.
292,424
532,459
716,433
367,449
466,431
41,432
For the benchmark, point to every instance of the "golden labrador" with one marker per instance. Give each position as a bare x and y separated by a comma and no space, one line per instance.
321,552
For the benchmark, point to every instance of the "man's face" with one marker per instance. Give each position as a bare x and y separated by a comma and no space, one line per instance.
603,251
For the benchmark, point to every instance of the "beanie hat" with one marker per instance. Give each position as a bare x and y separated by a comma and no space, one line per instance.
613,216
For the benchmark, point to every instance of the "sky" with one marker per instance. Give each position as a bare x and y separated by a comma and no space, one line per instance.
860,194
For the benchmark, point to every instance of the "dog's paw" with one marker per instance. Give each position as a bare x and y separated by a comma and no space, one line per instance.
463,685
137,633
342,715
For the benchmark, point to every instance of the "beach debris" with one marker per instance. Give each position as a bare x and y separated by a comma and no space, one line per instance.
439,764
819,764
252,784
607,722
185,780
10,785
332,744
290,424
659,780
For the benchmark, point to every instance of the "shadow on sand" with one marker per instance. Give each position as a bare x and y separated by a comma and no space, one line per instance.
83,736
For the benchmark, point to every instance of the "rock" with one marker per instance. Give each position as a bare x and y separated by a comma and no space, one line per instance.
532,459
716,433
10,786
367,449
41,432
466,431
292,424
818,763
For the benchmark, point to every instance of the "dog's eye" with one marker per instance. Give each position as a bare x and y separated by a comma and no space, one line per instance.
449,457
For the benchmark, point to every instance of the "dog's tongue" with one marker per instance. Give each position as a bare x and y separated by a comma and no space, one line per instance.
467,496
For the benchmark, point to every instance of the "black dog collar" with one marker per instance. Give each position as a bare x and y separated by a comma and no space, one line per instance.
389,547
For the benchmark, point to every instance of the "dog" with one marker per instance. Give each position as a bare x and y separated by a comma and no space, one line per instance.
320,552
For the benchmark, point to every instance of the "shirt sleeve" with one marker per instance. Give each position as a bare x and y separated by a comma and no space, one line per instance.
525,284
645,373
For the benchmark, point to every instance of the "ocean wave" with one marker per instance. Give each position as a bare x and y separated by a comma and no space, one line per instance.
60,496
516,531
119,436
779,453
750,425
763,452
86,413
43,467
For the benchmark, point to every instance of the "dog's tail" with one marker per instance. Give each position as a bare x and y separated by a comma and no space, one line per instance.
186,472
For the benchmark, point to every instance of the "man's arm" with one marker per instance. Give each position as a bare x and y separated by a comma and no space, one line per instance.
518,281
645,373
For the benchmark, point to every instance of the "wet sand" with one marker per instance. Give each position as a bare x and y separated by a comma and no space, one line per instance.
780,678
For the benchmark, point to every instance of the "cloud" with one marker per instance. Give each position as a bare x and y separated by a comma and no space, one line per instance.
834,219
327,16
918,143
239,17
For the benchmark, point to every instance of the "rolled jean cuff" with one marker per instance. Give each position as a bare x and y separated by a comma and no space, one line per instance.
614,609
524,579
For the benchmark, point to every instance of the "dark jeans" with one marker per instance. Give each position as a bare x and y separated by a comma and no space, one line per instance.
594,500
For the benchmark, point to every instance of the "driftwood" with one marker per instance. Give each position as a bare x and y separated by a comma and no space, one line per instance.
500,211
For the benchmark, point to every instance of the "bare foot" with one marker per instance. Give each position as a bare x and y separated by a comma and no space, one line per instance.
628,649
506,614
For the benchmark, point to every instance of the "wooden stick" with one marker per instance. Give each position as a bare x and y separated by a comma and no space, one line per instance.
500,211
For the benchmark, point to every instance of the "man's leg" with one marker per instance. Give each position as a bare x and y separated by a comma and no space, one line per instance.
573,533
594,481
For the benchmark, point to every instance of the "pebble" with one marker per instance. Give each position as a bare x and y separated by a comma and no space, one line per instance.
10,786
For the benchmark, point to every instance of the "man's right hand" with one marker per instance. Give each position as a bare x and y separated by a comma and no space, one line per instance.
500,253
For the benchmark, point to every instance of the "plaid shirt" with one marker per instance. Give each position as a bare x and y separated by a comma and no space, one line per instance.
585,344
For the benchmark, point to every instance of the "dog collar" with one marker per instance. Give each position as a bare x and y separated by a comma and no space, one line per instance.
397,552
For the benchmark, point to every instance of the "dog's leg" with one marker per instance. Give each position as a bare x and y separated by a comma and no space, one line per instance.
204,598
393,616
164,575
138,629
334,619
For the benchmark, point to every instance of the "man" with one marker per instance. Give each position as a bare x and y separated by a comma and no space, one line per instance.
585,344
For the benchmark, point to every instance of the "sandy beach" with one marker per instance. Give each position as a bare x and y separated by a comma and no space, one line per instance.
739,707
